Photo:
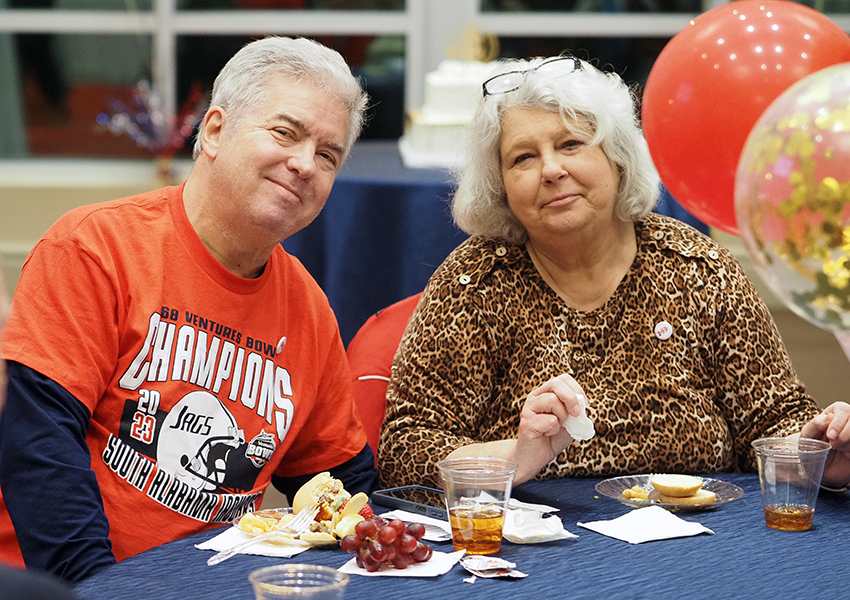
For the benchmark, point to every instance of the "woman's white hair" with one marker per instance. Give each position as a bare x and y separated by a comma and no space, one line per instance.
597,102
241,83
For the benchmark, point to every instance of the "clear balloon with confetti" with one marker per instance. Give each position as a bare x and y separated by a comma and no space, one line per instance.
792,198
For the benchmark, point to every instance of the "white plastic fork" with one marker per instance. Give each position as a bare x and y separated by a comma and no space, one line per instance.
296,527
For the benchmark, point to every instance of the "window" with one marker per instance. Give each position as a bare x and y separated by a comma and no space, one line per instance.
65,62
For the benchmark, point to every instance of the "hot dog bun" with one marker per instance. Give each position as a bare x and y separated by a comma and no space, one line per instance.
322,490
676,486
700,497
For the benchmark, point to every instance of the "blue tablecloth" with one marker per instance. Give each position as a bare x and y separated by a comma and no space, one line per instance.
743,559
383,232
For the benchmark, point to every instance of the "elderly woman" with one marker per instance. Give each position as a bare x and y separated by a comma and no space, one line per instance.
570,296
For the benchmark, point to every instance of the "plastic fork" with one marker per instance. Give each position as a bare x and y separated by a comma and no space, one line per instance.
296,527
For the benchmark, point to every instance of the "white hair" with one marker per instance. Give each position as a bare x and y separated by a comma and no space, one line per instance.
240,84
592,103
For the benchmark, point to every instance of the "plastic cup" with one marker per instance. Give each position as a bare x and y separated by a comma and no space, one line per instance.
790,471
477,490
298,581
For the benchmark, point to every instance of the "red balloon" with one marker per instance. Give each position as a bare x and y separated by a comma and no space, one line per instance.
712,82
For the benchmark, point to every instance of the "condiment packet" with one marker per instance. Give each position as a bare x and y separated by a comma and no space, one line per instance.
439,564
490,567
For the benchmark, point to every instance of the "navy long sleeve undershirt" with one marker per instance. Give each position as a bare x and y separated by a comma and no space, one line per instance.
50,491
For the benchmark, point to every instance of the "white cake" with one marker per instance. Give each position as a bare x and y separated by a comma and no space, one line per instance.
434,135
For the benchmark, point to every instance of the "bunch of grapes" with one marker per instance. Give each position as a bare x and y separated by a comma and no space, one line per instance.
377,542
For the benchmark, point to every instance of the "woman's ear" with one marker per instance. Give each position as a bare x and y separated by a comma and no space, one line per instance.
211,132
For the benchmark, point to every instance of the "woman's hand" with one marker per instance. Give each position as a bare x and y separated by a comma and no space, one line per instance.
541,435
833,426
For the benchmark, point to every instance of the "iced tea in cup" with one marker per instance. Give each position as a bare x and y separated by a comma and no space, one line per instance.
477,490
790,471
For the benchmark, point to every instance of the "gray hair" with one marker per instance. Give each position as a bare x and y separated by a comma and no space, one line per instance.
240,84
601,106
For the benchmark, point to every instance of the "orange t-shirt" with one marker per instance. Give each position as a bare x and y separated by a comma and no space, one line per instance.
201,384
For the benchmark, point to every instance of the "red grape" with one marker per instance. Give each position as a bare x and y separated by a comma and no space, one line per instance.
366,529
422,552
371,565
402,561
378,551
398,525
348,544
387,535
406,543
391,552
417,530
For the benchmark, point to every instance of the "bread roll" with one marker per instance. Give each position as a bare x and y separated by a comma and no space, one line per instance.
700,497
678,486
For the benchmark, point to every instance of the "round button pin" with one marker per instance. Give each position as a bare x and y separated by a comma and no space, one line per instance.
663,330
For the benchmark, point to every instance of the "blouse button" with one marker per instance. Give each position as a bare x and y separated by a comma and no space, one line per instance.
501,251
464,279
713,254
658,235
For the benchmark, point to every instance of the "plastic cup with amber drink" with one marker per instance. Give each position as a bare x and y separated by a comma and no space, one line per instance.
790,471
477,490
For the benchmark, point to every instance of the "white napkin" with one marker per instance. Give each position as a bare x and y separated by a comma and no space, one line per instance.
435,529
524,524
645,525
232,536
439,564
580,427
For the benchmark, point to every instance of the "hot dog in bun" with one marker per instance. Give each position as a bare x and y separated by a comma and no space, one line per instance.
337,508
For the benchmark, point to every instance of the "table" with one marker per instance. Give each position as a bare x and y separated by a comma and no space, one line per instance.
744,559
384,230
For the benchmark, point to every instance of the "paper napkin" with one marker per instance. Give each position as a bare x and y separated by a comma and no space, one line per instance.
232,536
435,529
439,564
525,524
645,525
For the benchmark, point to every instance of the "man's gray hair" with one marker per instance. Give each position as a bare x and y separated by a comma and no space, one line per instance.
241,83
601,107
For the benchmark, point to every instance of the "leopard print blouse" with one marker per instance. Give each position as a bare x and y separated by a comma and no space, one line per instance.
488,330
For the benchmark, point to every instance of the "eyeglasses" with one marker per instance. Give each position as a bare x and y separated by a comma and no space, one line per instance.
512,80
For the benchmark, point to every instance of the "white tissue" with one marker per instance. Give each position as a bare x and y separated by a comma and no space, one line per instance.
580,427
529,527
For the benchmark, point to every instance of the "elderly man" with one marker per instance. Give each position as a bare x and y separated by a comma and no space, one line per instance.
167,359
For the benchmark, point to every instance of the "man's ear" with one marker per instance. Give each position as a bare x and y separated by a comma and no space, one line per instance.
211,132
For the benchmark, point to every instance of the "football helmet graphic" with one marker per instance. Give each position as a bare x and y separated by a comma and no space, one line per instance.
196,439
